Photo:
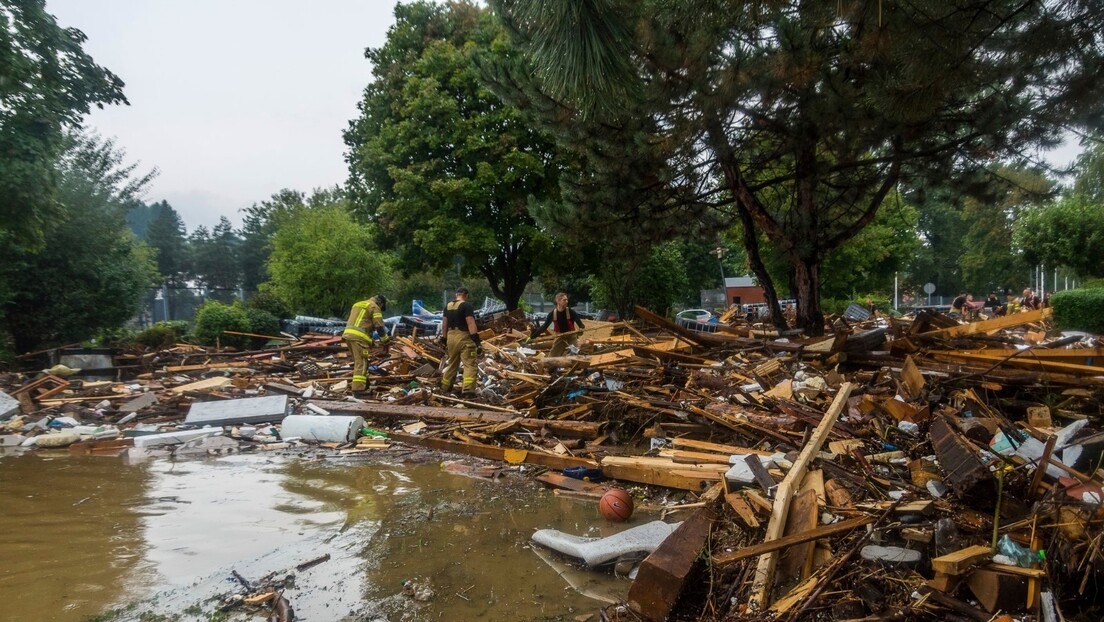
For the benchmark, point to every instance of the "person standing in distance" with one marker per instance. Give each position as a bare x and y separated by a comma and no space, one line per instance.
564,323
461,341
362,330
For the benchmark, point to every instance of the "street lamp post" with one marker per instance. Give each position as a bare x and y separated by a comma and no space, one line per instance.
719,252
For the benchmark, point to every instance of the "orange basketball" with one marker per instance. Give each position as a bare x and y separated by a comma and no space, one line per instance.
616,505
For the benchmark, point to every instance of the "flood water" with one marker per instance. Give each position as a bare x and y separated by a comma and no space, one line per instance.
92,537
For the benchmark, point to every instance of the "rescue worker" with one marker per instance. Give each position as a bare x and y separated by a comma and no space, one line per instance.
564,323
462,342
363,330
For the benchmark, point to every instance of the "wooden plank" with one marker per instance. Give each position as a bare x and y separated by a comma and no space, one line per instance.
803,516
726,450
993,325
720,560
960,561
561,429
696,481
1025,361
563,482
740,505
663,573
201,385
764,573
912,378
494,453
679,455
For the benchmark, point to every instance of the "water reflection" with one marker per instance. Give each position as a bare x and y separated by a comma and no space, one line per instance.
71,540
89,533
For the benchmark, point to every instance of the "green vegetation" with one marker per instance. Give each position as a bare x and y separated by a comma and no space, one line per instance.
439,163
1079,309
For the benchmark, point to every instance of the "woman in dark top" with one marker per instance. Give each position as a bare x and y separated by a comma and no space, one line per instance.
565,324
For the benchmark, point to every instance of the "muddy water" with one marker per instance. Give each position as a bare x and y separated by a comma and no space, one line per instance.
94,537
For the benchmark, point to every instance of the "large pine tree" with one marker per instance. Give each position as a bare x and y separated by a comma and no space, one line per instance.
810,113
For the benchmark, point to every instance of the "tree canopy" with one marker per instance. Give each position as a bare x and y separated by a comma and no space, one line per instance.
323,261
91,273
443,166
47,84
812,113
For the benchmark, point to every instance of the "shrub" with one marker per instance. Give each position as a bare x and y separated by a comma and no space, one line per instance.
1093,284
270,303
1079,309
162,334
262,322
213,317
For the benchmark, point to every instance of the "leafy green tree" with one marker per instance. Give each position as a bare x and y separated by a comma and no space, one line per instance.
91,274
215,259
659,283
867,262
1089,179
442,166
813,112
260,222
1069,233
323,261
47,84
167,237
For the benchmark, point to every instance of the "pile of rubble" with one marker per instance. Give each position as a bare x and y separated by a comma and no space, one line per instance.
903,468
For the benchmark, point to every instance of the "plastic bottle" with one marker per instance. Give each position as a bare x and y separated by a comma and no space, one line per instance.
1023,556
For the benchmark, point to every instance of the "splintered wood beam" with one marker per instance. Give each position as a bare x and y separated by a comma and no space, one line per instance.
490,452
663,573
560,428
764,572
720,560
989,326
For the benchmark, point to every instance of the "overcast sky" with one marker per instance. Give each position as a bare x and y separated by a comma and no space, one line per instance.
232,100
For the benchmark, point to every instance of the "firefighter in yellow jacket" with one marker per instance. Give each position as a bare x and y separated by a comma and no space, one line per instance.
462,341
362,331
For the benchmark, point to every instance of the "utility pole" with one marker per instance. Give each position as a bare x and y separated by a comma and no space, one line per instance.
719,252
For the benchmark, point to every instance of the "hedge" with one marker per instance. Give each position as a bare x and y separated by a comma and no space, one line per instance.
1079,309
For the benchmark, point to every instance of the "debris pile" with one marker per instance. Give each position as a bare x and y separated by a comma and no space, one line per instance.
898,468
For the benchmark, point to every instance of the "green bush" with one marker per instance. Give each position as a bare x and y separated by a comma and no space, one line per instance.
1079,309
262,322
162,334
271,303
213,317
1093,284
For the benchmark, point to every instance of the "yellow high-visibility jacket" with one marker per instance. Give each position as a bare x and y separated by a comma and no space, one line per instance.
364,317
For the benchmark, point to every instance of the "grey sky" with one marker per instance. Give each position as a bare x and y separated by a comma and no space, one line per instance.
232,100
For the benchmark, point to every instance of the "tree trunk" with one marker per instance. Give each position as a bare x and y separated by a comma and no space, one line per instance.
807,291
755,262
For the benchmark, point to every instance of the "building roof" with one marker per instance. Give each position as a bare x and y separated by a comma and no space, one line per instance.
740,281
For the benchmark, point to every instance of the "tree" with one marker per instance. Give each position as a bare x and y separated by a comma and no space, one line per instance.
91,273
167,237
812,113
260,223
215,259
323,261
866,263
443,167
1069,233
657,283
48,84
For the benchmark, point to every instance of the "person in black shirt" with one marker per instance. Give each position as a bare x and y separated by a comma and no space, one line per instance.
564,322
462,342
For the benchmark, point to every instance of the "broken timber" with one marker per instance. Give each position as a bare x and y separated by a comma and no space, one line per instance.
560,428
764,573
663,573
490,452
